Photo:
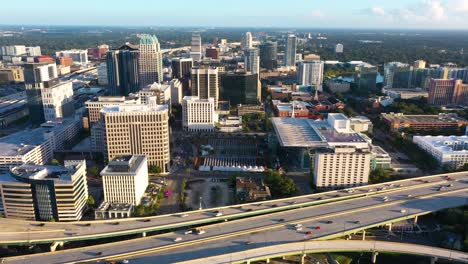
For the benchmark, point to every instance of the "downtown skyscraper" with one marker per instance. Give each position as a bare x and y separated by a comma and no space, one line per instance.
196,50
252,60
150,68
291,47
122,70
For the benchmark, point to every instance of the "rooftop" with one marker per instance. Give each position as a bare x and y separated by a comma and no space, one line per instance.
133,108
300,132
446,144
441,118
124,165
22,142
26,172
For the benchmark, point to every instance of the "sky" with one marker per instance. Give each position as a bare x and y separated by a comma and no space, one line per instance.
405,14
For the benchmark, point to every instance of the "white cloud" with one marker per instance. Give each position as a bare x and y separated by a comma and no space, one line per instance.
378,11
317,14
457,6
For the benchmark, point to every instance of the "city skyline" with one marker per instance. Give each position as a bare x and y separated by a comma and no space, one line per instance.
401,14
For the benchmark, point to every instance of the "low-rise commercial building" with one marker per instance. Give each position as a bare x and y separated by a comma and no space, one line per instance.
406,94
36,146
125,179
449,151
441,122
44,193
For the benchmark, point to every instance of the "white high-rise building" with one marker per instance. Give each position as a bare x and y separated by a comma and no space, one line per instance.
176,92
58,101
79,56
252,60
291,49
125,179
95,105
102,74
310,73
161,92
341,167
16,50
196,50
198,114
339,48
150,68
138,130
247,41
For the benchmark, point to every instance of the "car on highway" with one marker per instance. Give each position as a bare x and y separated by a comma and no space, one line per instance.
218,214
188,232
298,225
317,228
309,233
184,215
328,222
357,222
200,231
248,243
281,220
99,253
299,229
403,211
177,239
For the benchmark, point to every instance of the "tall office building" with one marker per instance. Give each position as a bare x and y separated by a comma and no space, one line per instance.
181,67
205,83
291,49
269,55
122,70
176,92
196,50
36,77
57,101
44,193
160,92
339,48
150,68
252,60
247,41
447,92
310,73
365,78
240,88
138,130
124,179
95,105
397,75
419,64
198,114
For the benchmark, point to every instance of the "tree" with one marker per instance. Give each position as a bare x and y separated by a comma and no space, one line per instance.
93,171
280,185
154,169
91,202
54,162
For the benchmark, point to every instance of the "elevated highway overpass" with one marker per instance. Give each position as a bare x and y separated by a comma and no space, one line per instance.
309,247
335,219
18,232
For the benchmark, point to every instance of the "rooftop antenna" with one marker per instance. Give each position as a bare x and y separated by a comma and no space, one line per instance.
316,97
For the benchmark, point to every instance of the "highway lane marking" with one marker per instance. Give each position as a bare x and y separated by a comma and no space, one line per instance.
204,240
208,220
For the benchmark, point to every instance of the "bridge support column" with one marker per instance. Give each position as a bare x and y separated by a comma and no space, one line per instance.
143,234
303,258
363,234
374,257
434,260
390,227
54,246
267,260
415,220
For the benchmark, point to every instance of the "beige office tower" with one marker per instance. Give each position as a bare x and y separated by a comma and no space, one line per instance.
150,68
205,83
138,130
419,64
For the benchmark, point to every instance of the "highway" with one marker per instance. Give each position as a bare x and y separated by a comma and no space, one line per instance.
308,247
24,232
335,220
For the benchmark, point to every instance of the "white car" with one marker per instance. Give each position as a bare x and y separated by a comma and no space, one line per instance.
403,211
218,214
298,226
299,229
188,232
177,239
184,215
201,232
